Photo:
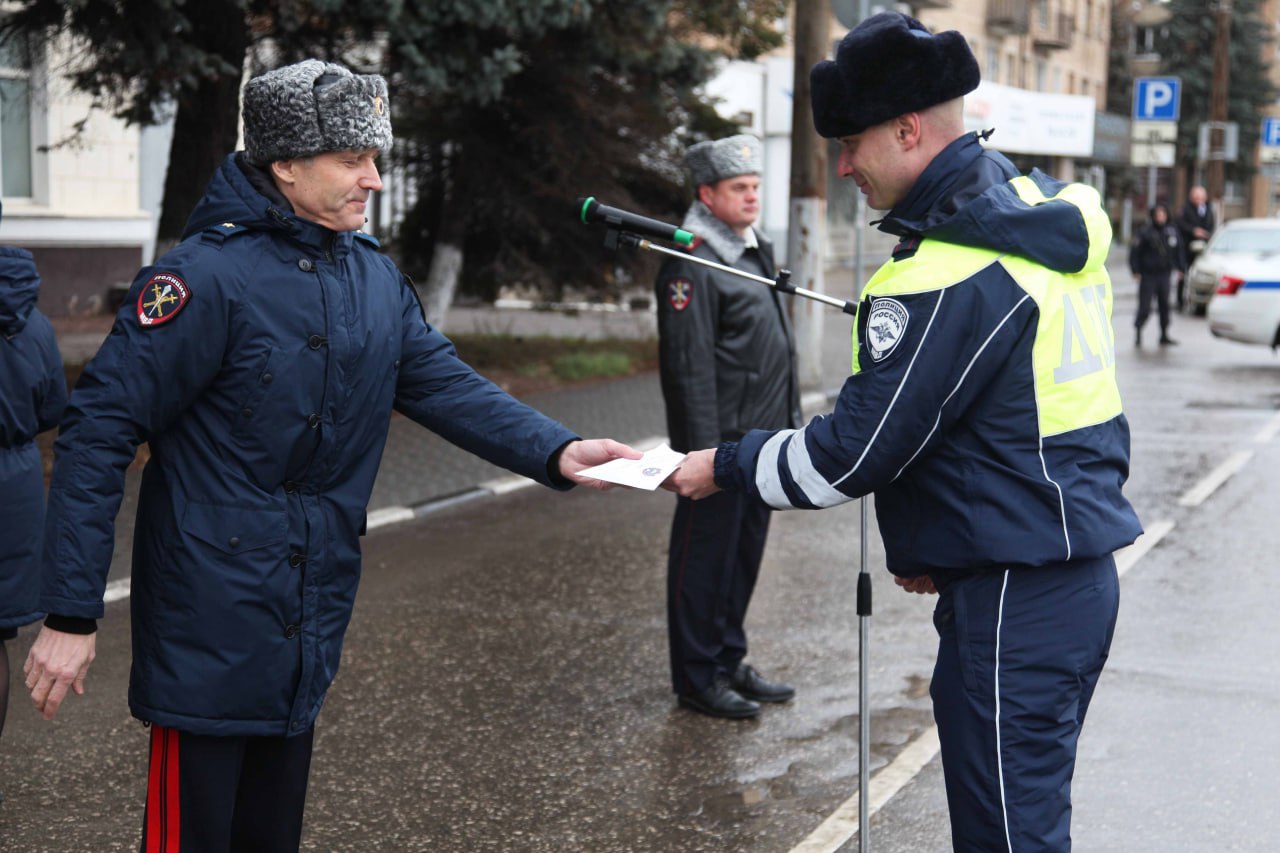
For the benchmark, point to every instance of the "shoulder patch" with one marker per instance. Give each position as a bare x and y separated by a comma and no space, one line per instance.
162,297
679,293
886,326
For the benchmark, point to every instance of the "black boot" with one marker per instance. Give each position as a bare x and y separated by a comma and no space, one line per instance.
1166,341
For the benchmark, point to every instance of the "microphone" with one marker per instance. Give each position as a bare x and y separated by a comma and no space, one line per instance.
591,211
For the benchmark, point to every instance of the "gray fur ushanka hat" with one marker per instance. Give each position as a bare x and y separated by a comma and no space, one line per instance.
714,160
885,67
312,107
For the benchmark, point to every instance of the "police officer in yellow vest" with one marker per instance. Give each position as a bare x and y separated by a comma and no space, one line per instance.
983,413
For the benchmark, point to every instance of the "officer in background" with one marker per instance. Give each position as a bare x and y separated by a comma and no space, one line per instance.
728,364
261,359
1196,221
33,392
984,415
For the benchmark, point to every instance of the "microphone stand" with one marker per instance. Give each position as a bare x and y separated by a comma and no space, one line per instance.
617,236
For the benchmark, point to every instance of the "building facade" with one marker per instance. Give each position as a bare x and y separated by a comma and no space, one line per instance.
71,180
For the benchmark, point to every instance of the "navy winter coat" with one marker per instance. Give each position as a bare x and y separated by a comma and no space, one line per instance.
33,392
261,359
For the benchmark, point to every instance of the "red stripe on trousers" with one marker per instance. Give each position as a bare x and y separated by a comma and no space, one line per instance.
172,812
163,834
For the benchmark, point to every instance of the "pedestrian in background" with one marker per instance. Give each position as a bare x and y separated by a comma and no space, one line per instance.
33,393
1196,222
1156,254
261,359
983,413
727,358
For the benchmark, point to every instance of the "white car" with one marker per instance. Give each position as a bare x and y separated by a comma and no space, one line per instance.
1246,306
1235,242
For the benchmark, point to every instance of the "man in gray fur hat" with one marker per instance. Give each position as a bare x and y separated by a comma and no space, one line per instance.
984,415
261,359
727,364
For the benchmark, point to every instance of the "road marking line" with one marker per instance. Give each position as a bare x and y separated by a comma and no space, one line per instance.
117,590
387,515
505,485
1128,556
1215,478
842,824
1269,431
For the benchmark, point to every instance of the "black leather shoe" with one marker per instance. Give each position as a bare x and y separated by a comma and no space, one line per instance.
1166,341
720,700
752,685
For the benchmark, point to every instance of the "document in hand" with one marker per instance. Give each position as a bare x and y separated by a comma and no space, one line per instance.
647,472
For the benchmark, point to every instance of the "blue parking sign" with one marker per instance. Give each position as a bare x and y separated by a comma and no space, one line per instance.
1156,98
1271,131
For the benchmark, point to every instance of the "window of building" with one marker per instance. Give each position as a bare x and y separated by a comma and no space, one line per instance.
993,63
1042,13
1042,75
15,119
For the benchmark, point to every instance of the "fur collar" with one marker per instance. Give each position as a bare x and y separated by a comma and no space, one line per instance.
720,237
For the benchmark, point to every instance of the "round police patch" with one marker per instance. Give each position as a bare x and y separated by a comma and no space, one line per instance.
886,326
161,299
679,293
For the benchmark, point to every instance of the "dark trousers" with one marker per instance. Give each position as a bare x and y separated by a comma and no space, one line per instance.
225,794
1019,655
712,565
1153,285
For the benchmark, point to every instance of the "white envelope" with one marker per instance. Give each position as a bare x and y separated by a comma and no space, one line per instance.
647,472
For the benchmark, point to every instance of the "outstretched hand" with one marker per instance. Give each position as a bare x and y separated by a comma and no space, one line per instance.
695,478
587,453
57,661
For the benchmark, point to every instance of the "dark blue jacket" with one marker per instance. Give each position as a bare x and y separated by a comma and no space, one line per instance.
261,360
983,409
33,392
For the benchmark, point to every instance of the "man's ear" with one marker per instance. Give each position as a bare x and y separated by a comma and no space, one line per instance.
704,193
284,171
906,128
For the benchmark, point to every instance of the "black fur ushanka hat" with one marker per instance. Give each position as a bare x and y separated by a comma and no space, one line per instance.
886,66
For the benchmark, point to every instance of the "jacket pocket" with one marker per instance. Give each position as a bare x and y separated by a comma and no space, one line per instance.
251,403
235,530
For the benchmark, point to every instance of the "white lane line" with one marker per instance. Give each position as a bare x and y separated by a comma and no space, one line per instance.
505,485
842,824
1268,432
1128,556
117,590
1210,483
387,515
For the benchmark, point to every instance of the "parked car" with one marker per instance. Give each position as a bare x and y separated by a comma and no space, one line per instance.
1246,307
1235,242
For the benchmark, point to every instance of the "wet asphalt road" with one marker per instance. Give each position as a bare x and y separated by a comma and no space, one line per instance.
504,684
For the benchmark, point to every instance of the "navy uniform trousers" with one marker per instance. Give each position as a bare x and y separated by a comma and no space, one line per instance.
712,565
225,794
1019,655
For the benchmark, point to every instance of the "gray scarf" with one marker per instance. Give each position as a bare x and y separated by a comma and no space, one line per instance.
720,237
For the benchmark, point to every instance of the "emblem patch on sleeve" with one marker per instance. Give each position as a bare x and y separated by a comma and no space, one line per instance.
886,326
679,292
161,299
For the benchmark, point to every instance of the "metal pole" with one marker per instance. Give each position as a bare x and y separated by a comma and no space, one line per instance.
864,592
846,307
1218,101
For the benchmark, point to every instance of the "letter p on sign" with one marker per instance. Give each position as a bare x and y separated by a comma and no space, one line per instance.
1156,98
